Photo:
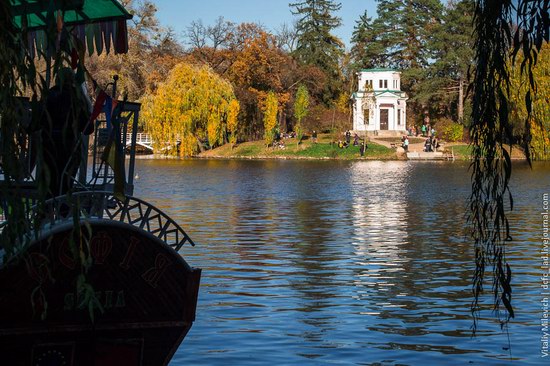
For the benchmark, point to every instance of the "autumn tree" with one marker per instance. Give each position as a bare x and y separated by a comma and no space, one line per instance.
257,69
232,121
209,43
153,52
270,118
192,106
287,37
538,121
301,105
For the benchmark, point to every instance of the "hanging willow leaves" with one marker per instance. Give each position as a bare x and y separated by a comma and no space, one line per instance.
22,131
233,121
192,106
502,28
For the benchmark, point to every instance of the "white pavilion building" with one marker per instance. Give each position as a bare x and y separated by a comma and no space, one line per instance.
379,105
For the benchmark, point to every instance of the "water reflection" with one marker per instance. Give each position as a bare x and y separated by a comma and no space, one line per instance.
340,262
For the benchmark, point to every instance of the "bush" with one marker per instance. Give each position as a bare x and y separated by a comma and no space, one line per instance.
449,130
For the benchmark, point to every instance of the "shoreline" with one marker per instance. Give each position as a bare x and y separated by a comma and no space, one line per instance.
266,157
324,150
308,158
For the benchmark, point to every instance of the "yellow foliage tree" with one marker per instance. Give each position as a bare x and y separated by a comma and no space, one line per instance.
270,118
232,121
190,107
301,105
343,103
539,122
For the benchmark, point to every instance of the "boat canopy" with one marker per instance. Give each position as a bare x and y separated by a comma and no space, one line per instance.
99,24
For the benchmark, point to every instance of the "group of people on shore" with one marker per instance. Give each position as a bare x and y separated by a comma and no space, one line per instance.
425,131
280,138
431,144
357,141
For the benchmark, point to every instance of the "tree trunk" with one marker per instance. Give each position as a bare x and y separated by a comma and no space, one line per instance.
461,100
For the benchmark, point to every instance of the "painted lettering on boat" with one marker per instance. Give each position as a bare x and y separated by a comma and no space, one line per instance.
109,299
101,245
153,274
125,264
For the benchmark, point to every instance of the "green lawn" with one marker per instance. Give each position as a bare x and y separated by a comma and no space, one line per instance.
461,152
307,149
247,150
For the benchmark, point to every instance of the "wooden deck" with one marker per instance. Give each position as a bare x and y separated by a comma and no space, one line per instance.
421,155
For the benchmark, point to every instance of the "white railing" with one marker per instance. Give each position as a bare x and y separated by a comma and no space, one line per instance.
142,139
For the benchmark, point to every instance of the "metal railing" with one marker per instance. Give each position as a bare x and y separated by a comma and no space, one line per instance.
103,205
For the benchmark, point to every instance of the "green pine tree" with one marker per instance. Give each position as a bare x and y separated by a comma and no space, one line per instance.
367,50
316,45
406,28
447,77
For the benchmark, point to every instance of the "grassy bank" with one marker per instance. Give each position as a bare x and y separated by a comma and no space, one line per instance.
324,149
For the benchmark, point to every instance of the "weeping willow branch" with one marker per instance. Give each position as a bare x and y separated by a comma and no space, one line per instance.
19,77
17,73
502,28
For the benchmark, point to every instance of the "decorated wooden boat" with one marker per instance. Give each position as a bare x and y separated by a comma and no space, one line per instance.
132,300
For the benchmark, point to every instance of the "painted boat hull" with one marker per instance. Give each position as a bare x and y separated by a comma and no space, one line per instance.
146,291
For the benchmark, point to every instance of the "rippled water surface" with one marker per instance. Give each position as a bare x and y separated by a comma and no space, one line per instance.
313,263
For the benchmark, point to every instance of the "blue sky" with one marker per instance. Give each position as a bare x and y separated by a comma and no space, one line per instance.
178,14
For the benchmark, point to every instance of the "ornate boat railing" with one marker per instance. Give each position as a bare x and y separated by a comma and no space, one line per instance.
103,205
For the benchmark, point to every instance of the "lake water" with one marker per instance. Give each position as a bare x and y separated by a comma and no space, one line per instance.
327,262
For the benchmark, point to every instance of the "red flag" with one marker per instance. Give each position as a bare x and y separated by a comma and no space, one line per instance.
98,105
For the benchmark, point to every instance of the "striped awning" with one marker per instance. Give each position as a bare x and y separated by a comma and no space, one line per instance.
99,24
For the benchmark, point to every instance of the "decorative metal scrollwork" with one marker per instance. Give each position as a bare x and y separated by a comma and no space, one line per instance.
132,211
